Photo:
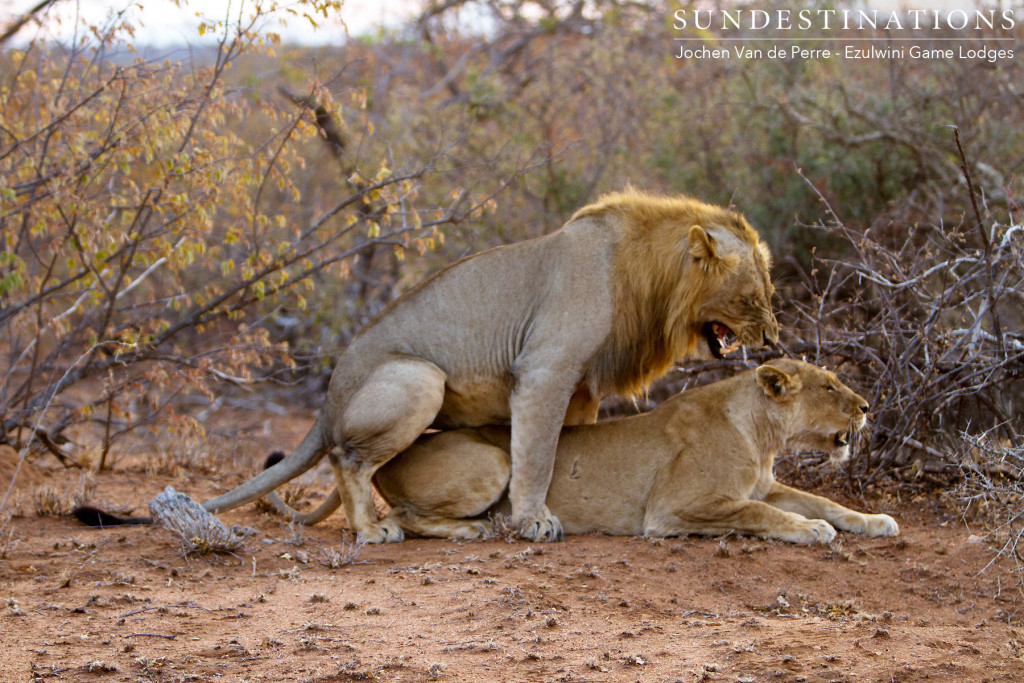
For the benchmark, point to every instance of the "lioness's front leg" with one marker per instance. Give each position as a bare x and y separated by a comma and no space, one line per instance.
583,407
743,516
817,507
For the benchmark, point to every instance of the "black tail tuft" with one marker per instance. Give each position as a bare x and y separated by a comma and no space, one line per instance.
90,516
273,459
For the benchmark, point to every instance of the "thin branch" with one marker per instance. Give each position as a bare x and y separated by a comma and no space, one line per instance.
17,26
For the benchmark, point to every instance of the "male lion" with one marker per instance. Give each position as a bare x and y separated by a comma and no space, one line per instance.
533,334
699,463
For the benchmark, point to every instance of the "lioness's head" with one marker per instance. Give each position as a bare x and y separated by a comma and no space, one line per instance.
738,307
822,412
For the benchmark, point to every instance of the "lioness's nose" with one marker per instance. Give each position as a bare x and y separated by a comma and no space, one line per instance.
864,409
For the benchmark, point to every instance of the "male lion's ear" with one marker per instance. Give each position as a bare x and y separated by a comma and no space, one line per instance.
702,245
776,383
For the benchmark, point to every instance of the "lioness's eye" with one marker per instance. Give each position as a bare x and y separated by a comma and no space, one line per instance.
829,387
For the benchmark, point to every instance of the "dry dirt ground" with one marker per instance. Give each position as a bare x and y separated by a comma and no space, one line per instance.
124,604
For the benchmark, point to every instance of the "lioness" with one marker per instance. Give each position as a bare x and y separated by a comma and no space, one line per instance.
533,334
700,463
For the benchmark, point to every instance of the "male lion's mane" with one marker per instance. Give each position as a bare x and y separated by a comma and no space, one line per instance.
655,310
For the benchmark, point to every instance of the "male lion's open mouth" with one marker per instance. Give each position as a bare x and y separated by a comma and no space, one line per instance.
721,340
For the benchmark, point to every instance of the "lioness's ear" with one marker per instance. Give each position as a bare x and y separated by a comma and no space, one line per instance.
776,383
702,245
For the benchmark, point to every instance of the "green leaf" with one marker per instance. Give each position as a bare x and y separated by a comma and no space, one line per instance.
10,283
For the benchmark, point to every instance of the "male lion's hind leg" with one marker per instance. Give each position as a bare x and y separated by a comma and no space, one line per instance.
743,516
354,484
398,401
817,507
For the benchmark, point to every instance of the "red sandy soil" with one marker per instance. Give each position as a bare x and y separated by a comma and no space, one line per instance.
124,604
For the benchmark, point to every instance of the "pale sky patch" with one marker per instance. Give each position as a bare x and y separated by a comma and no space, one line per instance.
161,23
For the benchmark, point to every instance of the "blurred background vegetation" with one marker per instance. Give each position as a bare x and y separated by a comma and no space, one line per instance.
178,229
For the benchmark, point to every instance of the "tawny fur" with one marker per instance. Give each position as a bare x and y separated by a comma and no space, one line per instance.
699,463
531,334
656,311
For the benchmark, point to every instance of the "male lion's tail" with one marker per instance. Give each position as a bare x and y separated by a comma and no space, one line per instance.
280,471
303,458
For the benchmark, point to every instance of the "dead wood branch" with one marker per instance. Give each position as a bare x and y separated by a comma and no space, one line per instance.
199,531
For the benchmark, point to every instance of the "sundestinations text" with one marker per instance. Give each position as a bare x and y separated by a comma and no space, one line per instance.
843,19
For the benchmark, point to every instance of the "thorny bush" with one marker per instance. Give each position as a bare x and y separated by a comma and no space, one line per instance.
992,494
927,320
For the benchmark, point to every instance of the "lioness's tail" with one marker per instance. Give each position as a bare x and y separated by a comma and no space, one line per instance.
90,516
304,518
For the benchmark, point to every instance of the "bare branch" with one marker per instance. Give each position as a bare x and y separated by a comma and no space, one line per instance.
11,30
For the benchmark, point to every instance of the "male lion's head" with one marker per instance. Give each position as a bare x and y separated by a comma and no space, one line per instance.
822,413
736,309
690,280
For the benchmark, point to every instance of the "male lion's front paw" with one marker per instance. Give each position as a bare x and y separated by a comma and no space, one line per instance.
881,525
545,528
819,531
384,531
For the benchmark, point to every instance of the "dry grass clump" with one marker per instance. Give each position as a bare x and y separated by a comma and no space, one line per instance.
49,502
349,554
992,494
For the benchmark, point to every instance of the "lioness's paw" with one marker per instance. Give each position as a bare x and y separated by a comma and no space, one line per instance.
542,529
819,531
384,531
472,531
881,525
